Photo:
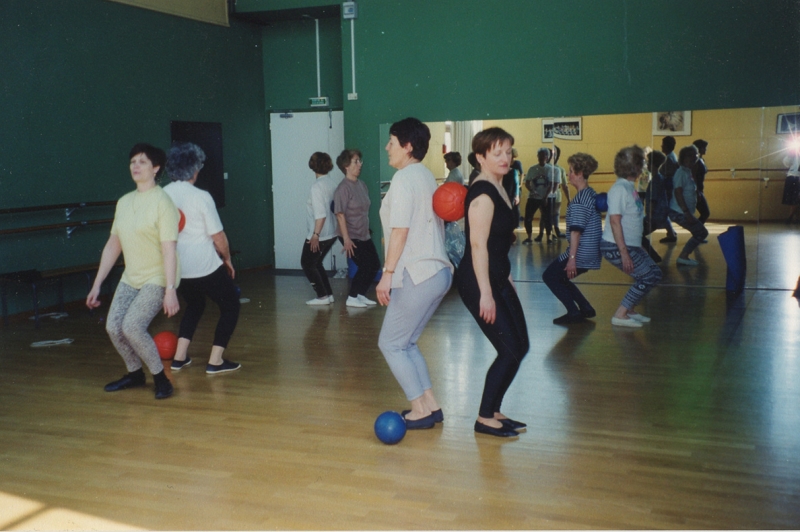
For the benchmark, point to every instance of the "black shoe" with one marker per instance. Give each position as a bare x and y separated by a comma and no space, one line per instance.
566,319
668,239
503,432
225,367
588,313
511,424
527,241
538,238
164,388
426,422
178,365
129,380
438,416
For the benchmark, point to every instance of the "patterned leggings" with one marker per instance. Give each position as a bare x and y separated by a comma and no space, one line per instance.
130,314
646,273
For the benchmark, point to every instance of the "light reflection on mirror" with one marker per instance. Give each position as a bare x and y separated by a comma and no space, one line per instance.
744,185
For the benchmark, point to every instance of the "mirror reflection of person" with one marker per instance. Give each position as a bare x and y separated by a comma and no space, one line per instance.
583,253
452,161
511,183
622,237
656,202
145,231
699,171
320,228
206,266
351,205
561,187
668,170
484,279
417,273
791,187
476,167
537,184
683,204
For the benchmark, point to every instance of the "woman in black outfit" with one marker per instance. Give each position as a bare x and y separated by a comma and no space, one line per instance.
484,277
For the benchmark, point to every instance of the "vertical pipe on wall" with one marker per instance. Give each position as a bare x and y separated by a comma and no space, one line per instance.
353,53
319,87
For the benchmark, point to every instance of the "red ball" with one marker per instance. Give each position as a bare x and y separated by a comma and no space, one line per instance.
448,201
182,221
167,344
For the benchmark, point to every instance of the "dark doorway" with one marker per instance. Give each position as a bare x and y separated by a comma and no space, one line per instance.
207,135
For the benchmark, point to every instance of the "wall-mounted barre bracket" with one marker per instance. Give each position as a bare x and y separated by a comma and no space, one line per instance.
71,228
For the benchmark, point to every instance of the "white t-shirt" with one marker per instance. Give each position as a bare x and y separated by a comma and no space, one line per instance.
409,203
195,246
319,206
623,199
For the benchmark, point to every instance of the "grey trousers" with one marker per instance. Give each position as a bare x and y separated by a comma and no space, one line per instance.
409,310
129,316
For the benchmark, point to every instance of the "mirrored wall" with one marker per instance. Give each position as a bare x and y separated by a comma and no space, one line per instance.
748,156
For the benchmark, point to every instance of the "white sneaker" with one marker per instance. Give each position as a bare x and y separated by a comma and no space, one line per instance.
330,298
625,322
355,303
368,302
320,301
641,318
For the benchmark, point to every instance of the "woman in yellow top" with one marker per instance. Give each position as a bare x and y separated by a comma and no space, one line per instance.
145,231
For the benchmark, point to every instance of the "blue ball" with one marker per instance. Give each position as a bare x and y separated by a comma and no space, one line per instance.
601,202
390,427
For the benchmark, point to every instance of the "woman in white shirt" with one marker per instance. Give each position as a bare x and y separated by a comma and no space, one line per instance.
321,227
622,236
416,274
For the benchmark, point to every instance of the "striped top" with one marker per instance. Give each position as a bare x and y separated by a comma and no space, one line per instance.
582,216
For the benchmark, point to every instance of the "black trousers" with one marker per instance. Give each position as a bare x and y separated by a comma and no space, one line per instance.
531,206
311,263
702,208
219,287
366,258
508,335
557,280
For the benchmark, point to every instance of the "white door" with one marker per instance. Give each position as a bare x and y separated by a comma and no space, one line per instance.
294,138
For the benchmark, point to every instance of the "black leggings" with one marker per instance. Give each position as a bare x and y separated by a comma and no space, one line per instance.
508,335
219,287
368,262
311,263
531,206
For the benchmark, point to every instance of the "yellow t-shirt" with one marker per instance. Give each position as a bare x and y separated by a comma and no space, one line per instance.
142,221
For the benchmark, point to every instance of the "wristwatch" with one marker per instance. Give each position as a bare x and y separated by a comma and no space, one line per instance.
386,270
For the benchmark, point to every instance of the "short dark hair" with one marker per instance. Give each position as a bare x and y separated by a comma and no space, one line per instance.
701,144
472,159
583,163
629,162
669,140
486,139
320,163
686,151
655,159
412,131
156,155
453,156
556,153
184,160
345,158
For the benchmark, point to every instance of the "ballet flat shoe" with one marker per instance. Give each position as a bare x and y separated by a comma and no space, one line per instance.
503,432
438,416
426,422
512,424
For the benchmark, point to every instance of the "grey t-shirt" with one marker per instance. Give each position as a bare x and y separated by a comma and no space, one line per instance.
537,180
352,199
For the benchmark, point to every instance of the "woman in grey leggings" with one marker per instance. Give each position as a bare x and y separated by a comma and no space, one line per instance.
145,231
417,273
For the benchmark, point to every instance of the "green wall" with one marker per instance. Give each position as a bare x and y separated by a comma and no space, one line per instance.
84,80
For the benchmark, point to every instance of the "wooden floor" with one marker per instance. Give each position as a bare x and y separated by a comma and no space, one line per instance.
692,422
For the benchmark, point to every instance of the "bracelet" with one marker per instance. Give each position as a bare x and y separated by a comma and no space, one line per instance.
316,234
386,270
572,256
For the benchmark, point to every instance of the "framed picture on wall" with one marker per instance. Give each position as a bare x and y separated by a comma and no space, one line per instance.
547,130
787,123
568,128
672,123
